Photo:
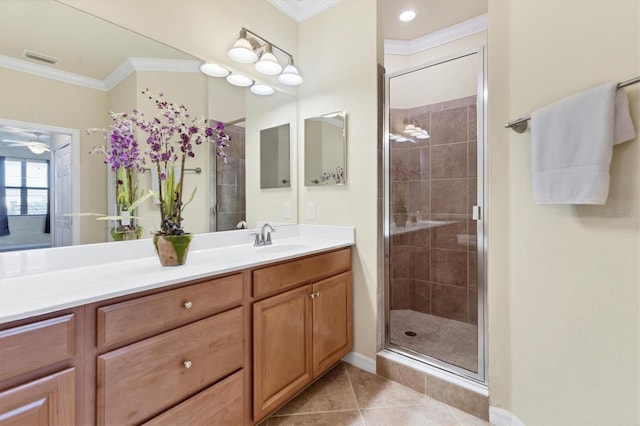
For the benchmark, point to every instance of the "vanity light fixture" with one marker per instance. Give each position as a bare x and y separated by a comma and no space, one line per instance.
268,63
262,89
290,75
244,49
416,132
400,138
239,80
251,47
409,128
214,70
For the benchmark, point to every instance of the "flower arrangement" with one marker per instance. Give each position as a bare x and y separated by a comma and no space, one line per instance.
125,160
171,136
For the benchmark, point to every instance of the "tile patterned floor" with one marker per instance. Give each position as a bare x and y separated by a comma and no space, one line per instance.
348,395
451,341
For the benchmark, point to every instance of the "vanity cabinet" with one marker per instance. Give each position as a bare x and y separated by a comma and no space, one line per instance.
173,375
299,333
38,373
226,350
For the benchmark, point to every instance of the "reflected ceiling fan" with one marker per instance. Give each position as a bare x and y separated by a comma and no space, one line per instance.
35,146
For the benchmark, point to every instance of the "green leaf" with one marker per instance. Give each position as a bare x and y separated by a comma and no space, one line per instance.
140,200
83,214
117,217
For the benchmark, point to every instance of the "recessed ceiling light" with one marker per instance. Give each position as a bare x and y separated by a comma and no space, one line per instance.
407,15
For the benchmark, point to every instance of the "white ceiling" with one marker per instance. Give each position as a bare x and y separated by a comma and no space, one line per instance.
432,15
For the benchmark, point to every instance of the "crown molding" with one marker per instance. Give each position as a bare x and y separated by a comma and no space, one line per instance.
52,73
129,66
303,9
436,38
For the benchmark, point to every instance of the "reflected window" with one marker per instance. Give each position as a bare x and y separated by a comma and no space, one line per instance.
27,186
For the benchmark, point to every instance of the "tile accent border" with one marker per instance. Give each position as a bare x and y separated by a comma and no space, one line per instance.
445,387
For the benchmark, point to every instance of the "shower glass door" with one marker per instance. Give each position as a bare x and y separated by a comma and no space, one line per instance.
434,224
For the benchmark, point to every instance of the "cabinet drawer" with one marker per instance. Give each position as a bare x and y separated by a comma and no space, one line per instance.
141,380
145,315
280,277
221,404
32,346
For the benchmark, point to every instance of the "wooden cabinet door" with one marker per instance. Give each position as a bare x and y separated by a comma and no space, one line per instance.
332,321
282,348
46,401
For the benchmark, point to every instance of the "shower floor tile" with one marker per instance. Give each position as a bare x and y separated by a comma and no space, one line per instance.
448,340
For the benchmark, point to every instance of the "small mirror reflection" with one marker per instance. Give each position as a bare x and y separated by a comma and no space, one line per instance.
325,147
275,166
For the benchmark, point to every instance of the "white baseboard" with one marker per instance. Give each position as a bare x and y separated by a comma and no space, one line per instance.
361,361
500,417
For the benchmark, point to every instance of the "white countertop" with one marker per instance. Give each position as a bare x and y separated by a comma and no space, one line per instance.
35,282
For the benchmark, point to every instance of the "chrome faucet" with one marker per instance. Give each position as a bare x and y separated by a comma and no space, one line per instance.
263,238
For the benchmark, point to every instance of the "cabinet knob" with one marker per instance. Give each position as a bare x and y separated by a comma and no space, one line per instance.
187,364
317,294
312,295
188,305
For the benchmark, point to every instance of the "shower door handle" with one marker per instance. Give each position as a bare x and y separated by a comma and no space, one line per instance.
476,212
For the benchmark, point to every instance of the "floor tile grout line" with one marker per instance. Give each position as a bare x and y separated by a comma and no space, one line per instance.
316,412
454,415
355,397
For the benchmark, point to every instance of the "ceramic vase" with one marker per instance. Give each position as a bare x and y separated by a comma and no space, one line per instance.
172,250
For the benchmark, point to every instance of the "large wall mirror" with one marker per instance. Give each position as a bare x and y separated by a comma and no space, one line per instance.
325,149
103,67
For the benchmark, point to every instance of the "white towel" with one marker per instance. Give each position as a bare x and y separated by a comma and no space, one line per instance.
572,145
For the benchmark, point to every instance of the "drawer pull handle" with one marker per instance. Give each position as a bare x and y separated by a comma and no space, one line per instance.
188,305
187,364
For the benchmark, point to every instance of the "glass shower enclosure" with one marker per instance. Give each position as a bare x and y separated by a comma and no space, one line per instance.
434,236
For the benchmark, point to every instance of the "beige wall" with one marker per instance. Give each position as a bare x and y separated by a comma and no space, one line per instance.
264,112
336,79
563,280
54,103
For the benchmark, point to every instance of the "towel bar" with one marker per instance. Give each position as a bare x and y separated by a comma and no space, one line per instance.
519,125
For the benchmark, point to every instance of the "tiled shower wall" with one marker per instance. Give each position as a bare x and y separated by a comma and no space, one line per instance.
434,270
228,188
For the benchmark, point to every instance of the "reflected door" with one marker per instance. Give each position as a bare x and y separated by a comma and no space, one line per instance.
435,303
62,229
